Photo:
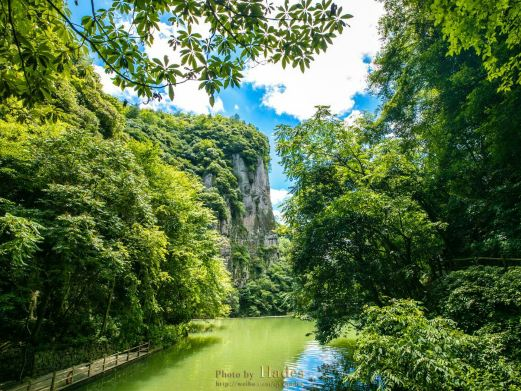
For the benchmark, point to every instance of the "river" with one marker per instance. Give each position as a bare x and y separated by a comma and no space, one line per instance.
239,354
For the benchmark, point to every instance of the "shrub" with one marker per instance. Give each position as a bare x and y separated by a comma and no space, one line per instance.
405,350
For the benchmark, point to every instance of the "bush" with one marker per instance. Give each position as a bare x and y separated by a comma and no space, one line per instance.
401,347
269,294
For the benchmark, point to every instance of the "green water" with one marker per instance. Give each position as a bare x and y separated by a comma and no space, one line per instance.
234,356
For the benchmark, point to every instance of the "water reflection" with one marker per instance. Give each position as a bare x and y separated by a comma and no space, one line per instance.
322,368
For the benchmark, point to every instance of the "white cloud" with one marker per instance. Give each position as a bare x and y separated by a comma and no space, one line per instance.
109,87
236,107
334,77
278,196
190,102
352,117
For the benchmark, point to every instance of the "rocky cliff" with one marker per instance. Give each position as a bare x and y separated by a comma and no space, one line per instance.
249,244
254,185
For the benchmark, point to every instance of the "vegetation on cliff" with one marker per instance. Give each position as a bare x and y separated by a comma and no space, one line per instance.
204,146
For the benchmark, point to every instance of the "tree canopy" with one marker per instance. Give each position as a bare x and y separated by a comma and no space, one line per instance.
362,236
491,29
102,237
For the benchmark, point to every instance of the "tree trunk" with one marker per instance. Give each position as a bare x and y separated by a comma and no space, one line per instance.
104,324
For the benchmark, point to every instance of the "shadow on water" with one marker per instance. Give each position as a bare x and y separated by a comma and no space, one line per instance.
161,361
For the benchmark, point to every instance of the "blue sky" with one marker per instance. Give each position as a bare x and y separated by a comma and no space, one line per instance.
247,102
270,95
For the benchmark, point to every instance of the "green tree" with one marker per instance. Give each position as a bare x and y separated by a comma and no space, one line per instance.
468,130
100,240
359,234
270,293
491,29
441,161
206,146
482,300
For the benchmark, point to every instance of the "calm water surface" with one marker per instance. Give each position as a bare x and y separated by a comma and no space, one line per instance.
239,354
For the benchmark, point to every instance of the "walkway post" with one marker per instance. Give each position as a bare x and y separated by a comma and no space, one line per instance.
53,380
103,367
88,372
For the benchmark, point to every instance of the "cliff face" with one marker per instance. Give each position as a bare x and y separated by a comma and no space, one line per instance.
253,243
258,219
256,222
249,244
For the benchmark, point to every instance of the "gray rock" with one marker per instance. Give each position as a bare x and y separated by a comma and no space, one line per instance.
258,219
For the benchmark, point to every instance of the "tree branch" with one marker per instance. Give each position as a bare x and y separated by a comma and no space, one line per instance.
98,51
17,43
230,33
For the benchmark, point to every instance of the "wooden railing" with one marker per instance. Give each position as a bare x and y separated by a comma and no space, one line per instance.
58,380
458,263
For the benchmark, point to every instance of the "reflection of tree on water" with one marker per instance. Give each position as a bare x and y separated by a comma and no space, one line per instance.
325,369
334,377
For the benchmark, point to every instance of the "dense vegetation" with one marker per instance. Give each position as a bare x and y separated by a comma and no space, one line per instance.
389,212
271,290
204,146
108,236
101,240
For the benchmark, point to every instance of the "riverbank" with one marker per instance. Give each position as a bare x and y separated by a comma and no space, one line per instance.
83,373
277,349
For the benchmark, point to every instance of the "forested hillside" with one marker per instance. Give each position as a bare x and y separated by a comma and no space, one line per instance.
232,159
407,223
107,231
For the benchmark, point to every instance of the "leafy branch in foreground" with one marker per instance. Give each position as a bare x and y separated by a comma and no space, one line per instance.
211,41
491,29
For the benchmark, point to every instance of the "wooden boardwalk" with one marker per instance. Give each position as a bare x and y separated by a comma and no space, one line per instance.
64,378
